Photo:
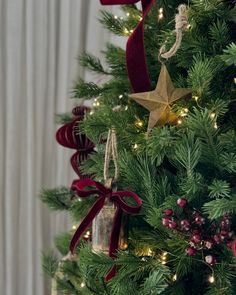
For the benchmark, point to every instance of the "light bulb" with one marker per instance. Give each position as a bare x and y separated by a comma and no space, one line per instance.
126,108
128,14
135,146
74,227
120,96
126,31
174,278
82,285
115,17
179,122
211,279
215,126
195,97
234,80
212,115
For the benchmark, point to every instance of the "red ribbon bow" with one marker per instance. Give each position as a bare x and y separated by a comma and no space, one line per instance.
135,52
103,194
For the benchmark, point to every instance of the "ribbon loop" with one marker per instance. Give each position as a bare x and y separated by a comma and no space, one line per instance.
135,52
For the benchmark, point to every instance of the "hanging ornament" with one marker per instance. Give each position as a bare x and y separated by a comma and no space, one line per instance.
107,211
69,136
159,101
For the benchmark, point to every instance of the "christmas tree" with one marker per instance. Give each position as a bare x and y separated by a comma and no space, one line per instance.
154,204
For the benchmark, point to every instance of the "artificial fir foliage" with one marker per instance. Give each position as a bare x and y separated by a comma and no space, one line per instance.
176,169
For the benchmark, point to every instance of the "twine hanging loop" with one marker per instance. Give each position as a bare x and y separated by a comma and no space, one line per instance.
111,154
181,23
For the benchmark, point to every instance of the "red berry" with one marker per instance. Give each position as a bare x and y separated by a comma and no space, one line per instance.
209,244
190,251
199,220
210,259
196,239
166,221
217,239
173,224
168,212
181,202
185,224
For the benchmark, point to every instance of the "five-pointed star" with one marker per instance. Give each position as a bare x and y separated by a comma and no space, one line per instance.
159,100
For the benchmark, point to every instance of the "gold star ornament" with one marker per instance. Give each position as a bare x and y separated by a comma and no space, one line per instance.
159,101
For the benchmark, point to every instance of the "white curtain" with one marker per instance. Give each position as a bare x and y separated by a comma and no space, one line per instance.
39,43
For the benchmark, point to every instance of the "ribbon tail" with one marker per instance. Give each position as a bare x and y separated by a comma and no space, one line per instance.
114,242
86,222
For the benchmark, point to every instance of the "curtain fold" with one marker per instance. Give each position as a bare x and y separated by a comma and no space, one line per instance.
39,43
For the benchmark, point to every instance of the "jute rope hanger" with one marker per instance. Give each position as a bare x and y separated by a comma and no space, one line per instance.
111,154
181,23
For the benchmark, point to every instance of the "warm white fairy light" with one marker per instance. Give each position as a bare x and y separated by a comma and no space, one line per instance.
149,253
215,125
126,108
164,258
234,80
126,31
131,31
74,227
174,278
179,122
160,13
211,279
139,123
82,285
128,14
140,18
121,18
195,97
91,112
212,115
120,96
98,104
188,26
115,17
135,146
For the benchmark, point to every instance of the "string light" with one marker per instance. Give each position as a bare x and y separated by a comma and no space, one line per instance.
135,146
184,112
163,258
139,123
115,17
120,96
126,31
74,227
179,122
188,26
211,279
91,112
82,285
215,125
234,80
140,18
126,108
98,104
128,14
149,253
195,97
174,278
131,31
212,115
160,13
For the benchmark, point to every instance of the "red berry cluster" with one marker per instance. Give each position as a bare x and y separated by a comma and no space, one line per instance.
201,235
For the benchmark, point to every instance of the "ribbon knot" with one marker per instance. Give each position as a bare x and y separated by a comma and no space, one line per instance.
83,189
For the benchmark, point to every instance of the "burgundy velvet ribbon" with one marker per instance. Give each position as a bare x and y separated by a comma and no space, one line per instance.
135,52
103,194
67,137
